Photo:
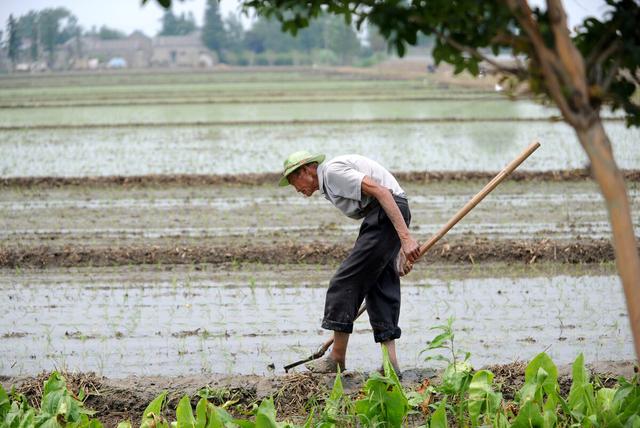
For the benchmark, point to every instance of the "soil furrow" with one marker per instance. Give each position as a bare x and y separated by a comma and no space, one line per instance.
291,122
477,250
235,101
269,178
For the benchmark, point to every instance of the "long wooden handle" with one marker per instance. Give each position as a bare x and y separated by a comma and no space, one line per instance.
499,178
479,197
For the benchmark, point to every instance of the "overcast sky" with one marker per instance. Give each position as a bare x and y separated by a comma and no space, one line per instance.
129,15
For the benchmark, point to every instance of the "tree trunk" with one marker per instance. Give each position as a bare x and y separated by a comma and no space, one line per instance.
605,171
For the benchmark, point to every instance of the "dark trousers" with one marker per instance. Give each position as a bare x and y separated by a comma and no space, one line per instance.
369,272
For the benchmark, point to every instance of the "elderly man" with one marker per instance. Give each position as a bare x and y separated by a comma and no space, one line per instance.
360,188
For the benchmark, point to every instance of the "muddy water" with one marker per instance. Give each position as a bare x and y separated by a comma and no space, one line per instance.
362,110
261,148
240,321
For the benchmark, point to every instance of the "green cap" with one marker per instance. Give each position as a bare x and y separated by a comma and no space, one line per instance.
295,161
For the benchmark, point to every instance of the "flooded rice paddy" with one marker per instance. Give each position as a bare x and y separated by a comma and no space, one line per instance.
261,148
230,215
229,123
234,317
246,322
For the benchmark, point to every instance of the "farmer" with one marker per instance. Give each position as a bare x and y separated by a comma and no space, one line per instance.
360,188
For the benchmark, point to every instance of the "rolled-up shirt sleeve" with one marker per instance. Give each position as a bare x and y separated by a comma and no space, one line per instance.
345,181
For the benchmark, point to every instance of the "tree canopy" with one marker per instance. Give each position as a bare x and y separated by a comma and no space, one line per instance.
47,28
173,25
213,33
13,44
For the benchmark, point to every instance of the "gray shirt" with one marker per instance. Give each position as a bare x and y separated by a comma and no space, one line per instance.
340,182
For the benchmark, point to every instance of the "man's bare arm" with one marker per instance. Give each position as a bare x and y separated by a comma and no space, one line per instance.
410,246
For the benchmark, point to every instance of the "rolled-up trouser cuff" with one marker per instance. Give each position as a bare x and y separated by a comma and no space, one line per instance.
342,327
386,335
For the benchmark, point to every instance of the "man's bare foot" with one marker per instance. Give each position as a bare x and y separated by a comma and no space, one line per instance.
324,365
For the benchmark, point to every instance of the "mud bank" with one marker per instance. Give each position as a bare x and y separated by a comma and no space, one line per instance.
269,178
461,251
115,400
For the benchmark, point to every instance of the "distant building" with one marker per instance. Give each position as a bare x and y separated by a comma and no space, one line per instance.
181,51
135,50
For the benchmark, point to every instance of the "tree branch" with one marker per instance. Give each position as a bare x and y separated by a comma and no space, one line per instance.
571,59
613,72
549,63
516,71
595,52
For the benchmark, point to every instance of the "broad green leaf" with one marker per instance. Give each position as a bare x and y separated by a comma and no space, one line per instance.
266,416
28,419
439,341
218,418
456,378
389,370
633,422
482,399
604,400
437,358
630,407
124,424
543,371
155,407
541,376
529,416
501,421
332,406
579,372
201,413
5,404
51,422
95,423
550,419
184,413
55,383
384,404
581,399
439,417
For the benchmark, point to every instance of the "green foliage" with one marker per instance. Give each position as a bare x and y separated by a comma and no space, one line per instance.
13,43
213,32
458,373
608,46
58,408
385,403
173,25
106,33
483,402
439,417
234,33
50,31
47,28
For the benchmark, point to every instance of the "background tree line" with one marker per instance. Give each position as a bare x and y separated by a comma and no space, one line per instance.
327,40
